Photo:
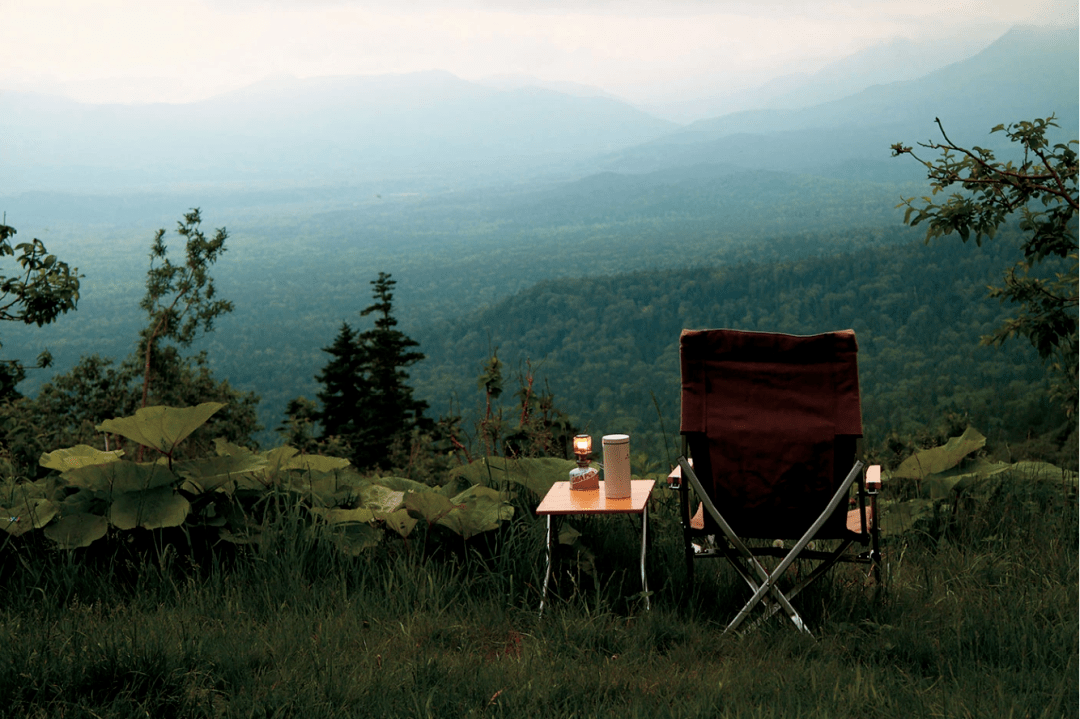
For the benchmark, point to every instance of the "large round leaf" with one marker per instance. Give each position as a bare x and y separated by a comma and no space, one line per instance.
161,428
538,474
938,459
152,509
482,509
380,498
355,537
31,513
119,477
399,521
209,473
315,463
77,530
81,455
429,506
343,516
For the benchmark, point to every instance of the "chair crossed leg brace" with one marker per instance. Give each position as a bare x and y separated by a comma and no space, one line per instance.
768,581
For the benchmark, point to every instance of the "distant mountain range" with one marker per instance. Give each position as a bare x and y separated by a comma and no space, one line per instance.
895,60
424,128
432,131
1029,72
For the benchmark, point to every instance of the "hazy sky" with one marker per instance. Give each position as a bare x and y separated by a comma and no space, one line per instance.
178,50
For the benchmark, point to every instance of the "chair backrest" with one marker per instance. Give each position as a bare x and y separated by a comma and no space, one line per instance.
772,420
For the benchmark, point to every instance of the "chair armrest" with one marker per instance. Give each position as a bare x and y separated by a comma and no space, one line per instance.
873,479
674,478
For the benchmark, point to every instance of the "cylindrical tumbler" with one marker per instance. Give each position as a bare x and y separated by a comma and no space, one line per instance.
617,466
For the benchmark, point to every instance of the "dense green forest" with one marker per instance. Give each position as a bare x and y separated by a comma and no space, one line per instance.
296,267
608,345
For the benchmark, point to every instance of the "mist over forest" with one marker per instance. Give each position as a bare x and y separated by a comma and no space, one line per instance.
562,226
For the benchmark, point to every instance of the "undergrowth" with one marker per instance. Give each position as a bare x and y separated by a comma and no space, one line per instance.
978,618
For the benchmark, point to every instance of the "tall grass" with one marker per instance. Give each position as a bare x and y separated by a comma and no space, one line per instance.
979,619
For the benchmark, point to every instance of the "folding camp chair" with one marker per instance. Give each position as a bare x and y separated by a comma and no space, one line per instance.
773,424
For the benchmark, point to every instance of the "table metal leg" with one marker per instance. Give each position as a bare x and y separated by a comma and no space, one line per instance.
547,573
644,540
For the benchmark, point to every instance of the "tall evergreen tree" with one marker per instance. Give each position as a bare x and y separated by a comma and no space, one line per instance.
388,408
344,386
366,403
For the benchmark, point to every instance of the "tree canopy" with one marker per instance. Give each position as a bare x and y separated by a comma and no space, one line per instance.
41,290
1042,188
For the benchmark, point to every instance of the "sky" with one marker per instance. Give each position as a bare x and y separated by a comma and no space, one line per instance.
646,52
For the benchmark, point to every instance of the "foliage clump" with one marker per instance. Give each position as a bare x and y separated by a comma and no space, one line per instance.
1042,188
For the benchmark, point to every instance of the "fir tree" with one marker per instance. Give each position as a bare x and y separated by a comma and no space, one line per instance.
388,409
366,403
344,386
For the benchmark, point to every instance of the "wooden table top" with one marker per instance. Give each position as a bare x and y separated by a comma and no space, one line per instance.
560,499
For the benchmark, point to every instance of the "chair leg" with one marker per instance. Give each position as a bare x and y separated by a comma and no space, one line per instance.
766,585
791,556
688,547
875,543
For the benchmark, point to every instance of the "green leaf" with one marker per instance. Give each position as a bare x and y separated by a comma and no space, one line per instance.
152,509
401,484
968,472
314,463
354,537
77,530
119,477
484,509
210,473
428,506
400,521
380,498
537,474
1044,472
900,517
161,428
933,461
343,516
31,513
568,535
78,456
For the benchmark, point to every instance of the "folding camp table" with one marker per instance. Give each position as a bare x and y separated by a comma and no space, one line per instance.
561,500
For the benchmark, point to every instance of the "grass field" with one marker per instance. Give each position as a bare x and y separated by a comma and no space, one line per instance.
979,619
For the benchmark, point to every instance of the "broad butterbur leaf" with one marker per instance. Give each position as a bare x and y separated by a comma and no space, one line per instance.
900,517
211,473
429,506
400,521
940,486
938,459
402,484
151,509
342,516
537,474
77,530
161,428
314,463
81,455
119,477
484,509
31,513
379,498
354,537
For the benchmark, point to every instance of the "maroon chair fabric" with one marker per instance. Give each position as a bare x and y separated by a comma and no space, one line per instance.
775,418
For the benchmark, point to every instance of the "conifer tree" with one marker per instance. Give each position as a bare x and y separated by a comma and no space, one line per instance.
344,384
388,409
366,403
